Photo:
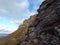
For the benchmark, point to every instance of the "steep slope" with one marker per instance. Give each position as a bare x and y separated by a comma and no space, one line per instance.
45,30
41,29
19,35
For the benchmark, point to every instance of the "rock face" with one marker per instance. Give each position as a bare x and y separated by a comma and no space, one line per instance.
19,35
46,26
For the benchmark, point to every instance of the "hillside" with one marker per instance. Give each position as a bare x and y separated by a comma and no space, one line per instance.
40,29
16,37
45,30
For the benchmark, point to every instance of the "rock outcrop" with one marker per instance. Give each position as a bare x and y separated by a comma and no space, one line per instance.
46,27
19,35
41,29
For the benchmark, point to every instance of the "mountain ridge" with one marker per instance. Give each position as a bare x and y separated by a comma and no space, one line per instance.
40,29
17,36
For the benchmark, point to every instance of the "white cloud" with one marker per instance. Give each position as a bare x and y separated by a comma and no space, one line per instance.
18,11
7,29
3,11
16,8
17,21
21,4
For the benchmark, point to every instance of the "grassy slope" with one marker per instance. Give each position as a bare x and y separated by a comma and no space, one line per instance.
19,35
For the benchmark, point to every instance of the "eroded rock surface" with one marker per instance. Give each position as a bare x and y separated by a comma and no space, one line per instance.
46,26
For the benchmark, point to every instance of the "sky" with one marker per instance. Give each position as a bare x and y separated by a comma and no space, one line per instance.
14,12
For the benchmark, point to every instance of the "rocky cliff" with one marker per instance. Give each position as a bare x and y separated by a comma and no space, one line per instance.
45,28
19,35
40,29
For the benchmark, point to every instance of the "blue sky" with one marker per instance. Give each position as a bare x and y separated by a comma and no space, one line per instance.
14,12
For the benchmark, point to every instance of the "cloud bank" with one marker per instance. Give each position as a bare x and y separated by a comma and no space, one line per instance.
15,12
